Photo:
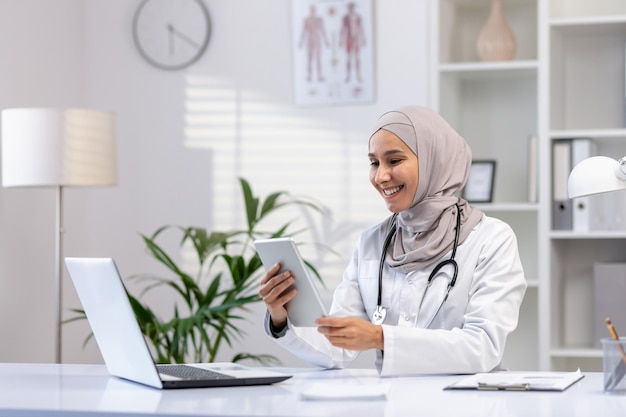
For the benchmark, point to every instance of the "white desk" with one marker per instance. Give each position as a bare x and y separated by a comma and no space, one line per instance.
87,390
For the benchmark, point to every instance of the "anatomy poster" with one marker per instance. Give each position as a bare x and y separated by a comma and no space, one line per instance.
333,51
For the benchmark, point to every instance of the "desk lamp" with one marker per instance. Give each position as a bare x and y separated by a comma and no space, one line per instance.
50,147
598,174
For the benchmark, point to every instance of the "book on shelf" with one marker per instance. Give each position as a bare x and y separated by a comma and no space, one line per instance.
532,168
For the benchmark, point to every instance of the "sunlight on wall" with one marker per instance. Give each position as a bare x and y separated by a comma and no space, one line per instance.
275,148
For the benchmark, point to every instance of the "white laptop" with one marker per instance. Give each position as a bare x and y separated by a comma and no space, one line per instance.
123,346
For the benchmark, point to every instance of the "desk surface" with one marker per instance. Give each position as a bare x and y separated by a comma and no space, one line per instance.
87,390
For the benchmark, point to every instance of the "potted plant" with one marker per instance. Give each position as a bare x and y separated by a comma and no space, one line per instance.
215,297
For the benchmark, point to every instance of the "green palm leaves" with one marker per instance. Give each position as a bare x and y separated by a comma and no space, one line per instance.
213,300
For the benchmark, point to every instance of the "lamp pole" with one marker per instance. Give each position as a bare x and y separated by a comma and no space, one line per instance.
58,279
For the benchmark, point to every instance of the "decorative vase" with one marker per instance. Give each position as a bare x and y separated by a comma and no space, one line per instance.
496,41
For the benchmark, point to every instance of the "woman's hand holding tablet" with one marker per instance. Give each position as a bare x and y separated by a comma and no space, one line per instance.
307,305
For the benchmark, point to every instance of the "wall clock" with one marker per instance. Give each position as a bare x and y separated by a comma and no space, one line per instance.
171,34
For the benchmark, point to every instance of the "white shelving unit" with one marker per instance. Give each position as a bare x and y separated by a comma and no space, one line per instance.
566,81
585,93
494,105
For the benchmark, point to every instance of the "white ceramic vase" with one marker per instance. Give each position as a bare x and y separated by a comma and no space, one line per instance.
496,41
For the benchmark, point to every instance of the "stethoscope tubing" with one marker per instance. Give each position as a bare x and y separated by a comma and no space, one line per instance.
434,272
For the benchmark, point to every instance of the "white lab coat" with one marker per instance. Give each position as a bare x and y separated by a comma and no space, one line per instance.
468,334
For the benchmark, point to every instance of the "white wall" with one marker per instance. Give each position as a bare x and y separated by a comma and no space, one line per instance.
80,53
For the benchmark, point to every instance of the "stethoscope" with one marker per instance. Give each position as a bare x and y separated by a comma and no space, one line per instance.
381,312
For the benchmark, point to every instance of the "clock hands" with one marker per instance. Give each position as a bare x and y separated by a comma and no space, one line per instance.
173,32
170,32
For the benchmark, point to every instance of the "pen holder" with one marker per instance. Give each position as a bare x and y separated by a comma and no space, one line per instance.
614,365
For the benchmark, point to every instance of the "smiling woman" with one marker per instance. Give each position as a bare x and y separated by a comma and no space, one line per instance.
450,281
171,34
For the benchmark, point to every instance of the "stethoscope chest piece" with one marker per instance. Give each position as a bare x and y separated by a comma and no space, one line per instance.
379,315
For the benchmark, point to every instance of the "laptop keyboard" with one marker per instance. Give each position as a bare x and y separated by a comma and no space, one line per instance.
190,372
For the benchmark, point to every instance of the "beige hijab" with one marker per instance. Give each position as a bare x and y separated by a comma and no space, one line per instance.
425,231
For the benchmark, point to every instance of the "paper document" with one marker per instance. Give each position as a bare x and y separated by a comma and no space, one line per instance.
345,392
518,381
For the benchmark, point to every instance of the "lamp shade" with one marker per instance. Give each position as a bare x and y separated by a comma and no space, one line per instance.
58,147
598,174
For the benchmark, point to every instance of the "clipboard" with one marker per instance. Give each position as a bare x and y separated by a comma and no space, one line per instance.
517,381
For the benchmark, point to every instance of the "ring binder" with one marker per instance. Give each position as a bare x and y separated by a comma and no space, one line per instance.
561,167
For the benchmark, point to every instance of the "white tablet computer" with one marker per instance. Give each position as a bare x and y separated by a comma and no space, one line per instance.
307,305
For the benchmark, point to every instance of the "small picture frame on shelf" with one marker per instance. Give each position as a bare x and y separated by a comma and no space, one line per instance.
479,187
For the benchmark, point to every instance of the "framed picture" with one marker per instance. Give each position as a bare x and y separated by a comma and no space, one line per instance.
332,51
479,187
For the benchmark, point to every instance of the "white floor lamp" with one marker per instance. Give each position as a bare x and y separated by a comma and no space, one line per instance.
51,147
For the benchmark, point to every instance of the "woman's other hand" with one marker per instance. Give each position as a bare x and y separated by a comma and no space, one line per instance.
351,333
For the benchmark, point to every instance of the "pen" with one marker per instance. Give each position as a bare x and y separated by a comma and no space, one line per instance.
621,367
